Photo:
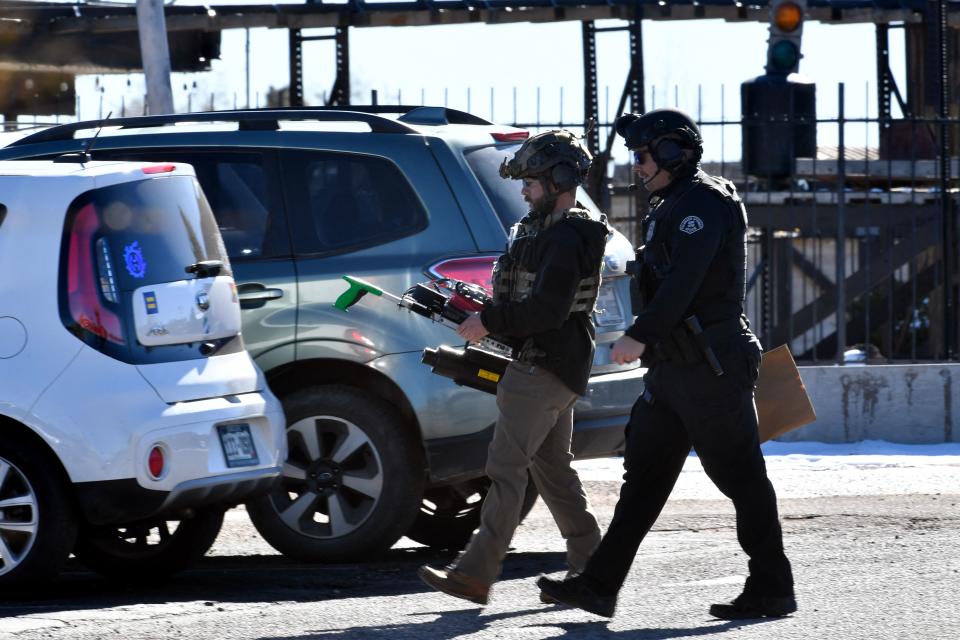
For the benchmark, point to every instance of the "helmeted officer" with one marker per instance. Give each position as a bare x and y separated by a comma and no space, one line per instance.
703,362
545,287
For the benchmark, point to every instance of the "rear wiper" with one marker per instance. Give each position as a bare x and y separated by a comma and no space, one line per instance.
205,268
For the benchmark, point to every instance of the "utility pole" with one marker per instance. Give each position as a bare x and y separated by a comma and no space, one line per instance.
155,53
248,67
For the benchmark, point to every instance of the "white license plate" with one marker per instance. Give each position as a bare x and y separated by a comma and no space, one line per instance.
608,312
238,447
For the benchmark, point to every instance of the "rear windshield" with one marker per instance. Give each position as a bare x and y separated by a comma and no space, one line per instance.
505,194
154,229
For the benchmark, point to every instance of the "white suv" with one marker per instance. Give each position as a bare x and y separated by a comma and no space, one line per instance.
131,414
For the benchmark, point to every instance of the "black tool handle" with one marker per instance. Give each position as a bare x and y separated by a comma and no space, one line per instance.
693,324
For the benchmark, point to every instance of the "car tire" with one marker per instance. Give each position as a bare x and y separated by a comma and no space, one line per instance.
148,550
38,522
352,480
449,515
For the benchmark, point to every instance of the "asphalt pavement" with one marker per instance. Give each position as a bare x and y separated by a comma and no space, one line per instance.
883,565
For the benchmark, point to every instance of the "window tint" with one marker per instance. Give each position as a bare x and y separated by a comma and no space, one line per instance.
345,201
242,189
238,196
149,231
505,194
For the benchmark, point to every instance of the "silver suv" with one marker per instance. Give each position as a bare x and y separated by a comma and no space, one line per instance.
379,447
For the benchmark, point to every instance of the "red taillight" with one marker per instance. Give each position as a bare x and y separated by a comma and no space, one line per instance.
510,136
84,283
160,168
155,462
475,270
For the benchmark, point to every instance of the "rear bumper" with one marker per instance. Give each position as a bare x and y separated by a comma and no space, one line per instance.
598,431
102,419
125,501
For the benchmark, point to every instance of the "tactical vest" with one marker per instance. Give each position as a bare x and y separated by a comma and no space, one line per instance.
514,272
655,253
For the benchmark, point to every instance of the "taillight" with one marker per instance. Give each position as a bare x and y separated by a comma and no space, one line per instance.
156,462
510,136
90,276
475,269
159,168
108,283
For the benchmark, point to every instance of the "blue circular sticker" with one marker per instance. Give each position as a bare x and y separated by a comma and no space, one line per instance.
133,258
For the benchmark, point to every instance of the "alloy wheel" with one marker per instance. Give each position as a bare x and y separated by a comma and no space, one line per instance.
332,479
19,517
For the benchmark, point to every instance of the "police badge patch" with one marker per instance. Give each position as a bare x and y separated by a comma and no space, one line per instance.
691,224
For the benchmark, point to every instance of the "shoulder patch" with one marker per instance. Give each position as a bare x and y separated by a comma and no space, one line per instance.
691,224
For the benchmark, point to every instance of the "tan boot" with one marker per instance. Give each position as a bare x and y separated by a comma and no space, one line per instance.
455,583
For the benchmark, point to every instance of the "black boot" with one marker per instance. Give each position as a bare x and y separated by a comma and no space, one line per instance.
748,605
576,592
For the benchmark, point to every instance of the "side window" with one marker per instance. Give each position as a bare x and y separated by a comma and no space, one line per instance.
342,201
243,191
240,201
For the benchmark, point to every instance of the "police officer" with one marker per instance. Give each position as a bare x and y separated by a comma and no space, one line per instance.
703,363
545,288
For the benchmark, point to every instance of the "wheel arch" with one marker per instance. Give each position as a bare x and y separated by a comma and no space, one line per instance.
10,425
293,376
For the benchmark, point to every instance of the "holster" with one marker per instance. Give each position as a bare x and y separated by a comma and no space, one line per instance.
682,346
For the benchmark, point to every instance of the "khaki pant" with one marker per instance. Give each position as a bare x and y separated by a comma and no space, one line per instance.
533,432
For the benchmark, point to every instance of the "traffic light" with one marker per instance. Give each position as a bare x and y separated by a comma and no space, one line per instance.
786,27
779,117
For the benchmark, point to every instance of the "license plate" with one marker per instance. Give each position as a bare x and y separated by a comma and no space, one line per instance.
238,447
608,312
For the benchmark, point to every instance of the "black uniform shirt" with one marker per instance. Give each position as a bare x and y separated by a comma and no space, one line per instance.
561,256
704,239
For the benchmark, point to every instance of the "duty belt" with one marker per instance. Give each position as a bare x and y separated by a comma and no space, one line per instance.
681,346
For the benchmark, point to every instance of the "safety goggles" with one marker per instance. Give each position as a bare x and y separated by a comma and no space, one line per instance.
639,156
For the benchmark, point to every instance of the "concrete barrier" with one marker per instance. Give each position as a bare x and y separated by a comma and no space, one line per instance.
911,403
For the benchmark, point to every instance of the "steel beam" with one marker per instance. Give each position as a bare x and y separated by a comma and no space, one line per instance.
340,93
296,68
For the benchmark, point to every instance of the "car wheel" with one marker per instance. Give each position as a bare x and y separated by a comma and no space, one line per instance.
148,550
352,479
38,524
448,515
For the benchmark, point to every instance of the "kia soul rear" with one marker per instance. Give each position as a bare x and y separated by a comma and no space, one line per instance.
131,415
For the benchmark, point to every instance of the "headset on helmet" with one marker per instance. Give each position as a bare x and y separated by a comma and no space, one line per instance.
666,133
558,154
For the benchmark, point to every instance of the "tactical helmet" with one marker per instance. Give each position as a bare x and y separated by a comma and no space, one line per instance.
557,154
666,133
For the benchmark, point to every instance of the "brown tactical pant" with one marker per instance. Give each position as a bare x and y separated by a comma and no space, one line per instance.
533,432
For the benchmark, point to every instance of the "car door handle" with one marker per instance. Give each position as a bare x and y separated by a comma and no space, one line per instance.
256,292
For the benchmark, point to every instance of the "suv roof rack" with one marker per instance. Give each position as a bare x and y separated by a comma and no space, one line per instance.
248,120
411,114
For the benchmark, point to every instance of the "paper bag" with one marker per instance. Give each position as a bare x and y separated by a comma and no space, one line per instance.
782,400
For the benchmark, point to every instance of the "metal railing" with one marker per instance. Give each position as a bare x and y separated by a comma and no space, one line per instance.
852,256
868,229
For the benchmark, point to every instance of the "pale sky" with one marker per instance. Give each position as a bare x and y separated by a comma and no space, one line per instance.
454,64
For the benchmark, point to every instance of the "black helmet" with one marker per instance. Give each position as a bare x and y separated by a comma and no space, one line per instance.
558,154
666,133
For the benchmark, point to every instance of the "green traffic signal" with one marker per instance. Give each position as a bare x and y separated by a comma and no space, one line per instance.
784,56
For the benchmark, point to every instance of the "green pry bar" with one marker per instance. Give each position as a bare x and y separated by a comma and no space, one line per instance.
358,289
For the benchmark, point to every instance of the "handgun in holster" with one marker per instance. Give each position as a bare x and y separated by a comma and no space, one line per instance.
696,331
687,342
